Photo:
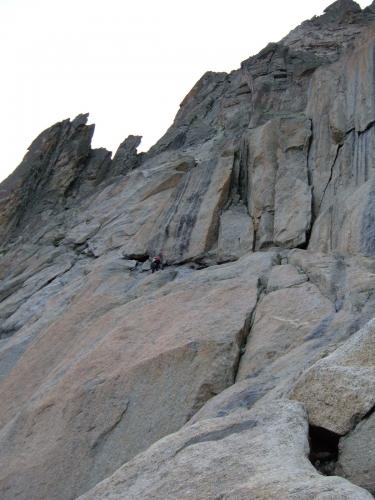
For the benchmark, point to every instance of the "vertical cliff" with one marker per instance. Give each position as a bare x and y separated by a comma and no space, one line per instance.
245,368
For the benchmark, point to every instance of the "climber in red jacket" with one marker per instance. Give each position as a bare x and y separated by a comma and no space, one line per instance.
156,263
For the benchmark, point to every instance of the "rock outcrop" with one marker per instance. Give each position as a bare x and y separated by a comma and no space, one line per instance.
339,390
197,462
243,369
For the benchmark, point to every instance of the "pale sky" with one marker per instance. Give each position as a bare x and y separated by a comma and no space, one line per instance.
128,63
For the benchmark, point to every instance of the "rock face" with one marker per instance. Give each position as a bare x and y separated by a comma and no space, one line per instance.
206,379
279,196
236,233
133,340
126,157
339,390
197,462
356,457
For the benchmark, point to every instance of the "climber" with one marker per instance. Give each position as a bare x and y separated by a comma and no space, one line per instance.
156,263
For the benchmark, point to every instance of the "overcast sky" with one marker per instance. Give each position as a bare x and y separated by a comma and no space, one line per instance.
128,63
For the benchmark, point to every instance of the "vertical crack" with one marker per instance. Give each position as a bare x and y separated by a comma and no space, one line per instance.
248,326
311,186
330,176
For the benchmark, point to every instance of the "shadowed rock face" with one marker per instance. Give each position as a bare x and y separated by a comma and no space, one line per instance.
202,378
50,168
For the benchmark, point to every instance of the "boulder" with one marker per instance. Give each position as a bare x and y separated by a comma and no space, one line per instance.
339,390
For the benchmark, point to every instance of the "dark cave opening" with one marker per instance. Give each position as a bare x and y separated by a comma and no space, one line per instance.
324,449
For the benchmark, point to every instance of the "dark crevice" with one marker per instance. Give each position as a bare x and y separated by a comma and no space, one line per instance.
324,449
238,184
309,173
243,341
311,185
330,175
366,129
305,244
310,179
248,326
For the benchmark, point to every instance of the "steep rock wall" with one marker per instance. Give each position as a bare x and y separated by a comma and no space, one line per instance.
271,167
